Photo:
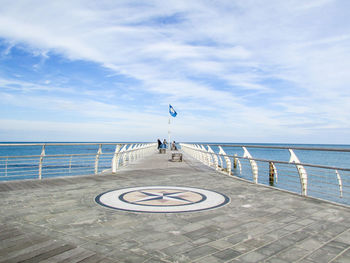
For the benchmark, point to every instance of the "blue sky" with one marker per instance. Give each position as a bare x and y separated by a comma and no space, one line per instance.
235,71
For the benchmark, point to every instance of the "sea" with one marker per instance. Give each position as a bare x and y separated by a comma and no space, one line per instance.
326,158
323,183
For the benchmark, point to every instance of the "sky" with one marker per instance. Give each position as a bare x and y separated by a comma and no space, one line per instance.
240,71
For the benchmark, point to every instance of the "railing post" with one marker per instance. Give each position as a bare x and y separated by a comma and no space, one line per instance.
99,152
115,160
123,154
199,155
204,155
132,153
142,150
301,171
41,161
339,183
129,152
252,164
136,152
134,156
227,160
235,162
271,174
213,155
209,157
220,165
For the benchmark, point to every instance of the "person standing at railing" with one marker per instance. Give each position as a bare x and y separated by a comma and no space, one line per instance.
159,144
173,146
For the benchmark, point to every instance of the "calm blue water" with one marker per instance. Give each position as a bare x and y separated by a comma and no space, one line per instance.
336,159
52,149
28,168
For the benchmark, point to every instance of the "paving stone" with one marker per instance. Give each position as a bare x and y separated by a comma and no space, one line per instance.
335,245
253,243
276,234
191,227
237,238
293,254
276,260
200,232
98,259
344,237
178,248
24,247
242,248
154,254
252,257
298,236
310,244
321,256
219,234
154,260
97,247
227,254
276,246
304,260
200,252
206,217
202,240
156,245
220,244
128,257
343,258
305,222
292,227
209,259
73,255
48,253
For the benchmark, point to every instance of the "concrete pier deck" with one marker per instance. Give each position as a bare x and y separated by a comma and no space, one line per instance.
58,220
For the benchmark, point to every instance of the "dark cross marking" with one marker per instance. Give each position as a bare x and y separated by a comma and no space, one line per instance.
163,197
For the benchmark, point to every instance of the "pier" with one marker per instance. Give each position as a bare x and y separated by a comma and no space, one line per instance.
59,220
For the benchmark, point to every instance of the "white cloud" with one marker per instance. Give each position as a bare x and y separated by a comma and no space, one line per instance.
259,66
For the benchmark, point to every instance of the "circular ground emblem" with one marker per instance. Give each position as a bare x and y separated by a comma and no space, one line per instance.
162,199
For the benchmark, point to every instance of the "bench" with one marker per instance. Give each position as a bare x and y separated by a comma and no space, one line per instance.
176,157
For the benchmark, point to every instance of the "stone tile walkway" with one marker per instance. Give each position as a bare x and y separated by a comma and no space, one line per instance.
57,220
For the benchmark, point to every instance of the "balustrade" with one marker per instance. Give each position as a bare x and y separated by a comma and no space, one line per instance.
82,162
314,180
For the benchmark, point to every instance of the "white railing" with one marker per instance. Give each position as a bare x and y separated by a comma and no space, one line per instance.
330,183
67,158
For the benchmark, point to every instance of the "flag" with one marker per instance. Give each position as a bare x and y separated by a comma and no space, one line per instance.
172,111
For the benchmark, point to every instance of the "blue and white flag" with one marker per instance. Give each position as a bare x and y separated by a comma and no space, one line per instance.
172,111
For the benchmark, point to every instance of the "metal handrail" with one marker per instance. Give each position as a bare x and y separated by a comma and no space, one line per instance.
27,166
52,155
280,147
68,144
276,161
277,172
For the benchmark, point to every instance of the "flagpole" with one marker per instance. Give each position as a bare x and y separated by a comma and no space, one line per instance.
169,134
173,114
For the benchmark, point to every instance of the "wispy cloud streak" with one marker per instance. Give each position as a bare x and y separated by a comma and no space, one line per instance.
277,69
